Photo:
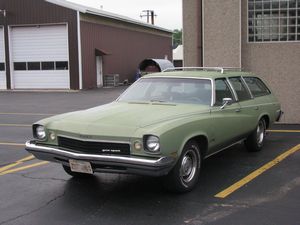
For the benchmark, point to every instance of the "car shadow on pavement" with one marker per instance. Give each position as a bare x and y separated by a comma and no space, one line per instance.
129,199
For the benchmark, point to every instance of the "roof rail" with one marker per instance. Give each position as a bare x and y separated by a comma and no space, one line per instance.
220,69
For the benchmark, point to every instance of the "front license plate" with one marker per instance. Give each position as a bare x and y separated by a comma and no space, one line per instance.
80,166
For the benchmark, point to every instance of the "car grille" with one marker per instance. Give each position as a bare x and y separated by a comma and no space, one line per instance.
92,147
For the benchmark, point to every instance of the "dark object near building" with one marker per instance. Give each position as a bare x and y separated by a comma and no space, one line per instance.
56,44
154,65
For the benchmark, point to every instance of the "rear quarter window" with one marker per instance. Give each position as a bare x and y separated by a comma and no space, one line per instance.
256,86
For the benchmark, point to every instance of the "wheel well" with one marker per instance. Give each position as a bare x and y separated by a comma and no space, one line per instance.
267,120
202,143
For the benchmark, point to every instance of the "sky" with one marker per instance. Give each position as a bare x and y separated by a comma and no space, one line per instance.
169,12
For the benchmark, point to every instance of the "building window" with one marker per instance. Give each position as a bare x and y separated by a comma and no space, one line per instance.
34,65
63,65
2,67
20,66
60,65
47,65
273,20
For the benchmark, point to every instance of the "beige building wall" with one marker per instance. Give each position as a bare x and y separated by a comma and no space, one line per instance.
221,33
192,33
225,44
279,64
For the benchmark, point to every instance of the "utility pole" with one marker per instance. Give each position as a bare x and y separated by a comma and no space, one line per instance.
149,14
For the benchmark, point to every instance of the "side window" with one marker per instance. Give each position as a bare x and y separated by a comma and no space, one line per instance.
256,86
240,89
222,91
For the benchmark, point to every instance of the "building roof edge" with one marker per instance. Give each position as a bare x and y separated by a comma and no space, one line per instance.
102,13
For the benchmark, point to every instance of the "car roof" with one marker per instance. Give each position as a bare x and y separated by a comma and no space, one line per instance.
199,74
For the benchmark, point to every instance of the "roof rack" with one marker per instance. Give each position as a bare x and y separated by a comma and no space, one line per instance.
220,69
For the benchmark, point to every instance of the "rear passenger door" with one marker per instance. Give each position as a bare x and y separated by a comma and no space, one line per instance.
248,108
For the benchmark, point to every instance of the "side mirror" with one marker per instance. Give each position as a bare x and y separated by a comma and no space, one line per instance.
226,101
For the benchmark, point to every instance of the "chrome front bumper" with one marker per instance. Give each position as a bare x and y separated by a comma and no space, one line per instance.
104,163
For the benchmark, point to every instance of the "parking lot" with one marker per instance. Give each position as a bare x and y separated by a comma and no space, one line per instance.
235,187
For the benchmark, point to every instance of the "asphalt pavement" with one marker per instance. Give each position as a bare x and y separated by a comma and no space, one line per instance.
235,187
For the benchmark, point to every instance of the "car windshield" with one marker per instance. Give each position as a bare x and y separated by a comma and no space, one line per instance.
170,90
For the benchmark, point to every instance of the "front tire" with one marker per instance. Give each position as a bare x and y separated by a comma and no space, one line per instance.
185,174
256,139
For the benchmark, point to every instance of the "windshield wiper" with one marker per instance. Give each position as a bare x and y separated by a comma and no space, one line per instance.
156,100
138,102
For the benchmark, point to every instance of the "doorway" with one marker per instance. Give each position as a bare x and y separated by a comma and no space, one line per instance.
99,70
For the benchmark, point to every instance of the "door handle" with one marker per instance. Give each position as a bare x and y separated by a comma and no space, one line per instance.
256,108
237,110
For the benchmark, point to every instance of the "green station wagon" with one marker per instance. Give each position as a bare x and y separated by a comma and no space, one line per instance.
164,125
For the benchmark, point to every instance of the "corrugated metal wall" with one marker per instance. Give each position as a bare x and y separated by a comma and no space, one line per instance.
125,49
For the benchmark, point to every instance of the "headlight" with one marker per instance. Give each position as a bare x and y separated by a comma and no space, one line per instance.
39,132
152,144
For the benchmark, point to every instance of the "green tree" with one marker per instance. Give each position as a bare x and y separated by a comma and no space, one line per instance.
177,37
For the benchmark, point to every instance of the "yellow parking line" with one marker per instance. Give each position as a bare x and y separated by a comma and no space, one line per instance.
26,114
14,125
26,159
256,173
284,131
4,168
12,144
9,166
23,168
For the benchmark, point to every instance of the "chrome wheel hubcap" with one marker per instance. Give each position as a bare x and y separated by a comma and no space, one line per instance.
260,133
188,166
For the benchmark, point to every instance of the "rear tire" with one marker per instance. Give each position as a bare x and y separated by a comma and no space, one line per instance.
68,170
256,139
185,174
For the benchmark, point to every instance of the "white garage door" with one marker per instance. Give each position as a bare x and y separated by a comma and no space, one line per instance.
40,57
2,61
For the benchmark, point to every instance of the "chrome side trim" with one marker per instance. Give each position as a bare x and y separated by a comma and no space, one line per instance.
214,153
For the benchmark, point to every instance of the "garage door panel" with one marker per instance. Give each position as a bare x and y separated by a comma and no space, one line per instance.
2,80
40,44
2,60
42,79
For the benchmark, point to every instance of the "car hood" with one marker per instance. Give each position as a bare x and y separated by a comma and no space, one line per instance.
122,118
